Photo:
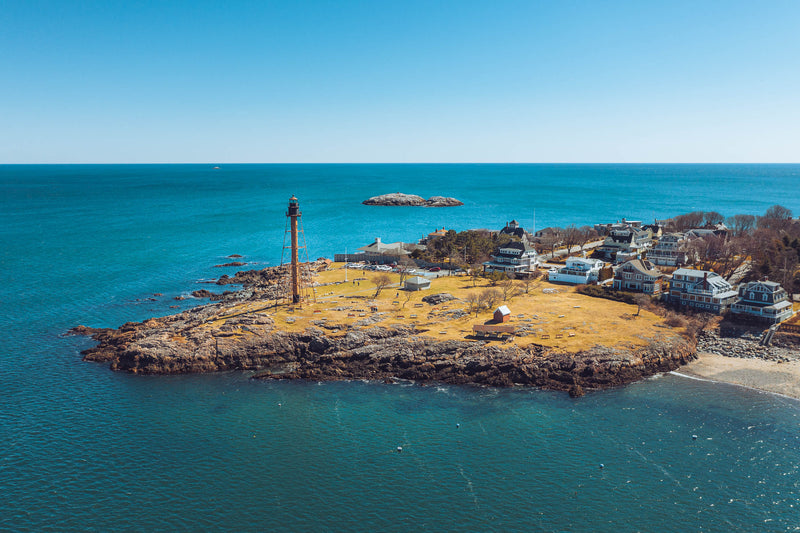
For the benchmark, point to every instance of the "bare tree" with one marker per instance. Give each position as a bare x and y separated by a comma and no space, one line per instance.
507,287
475,271
549,241
474,302
530,280
712,218
688,221
404,267
787,265
731,257
776,218
778,212
587,235
489,297
709,247
642,301
572,236
408,298
741,224
381,281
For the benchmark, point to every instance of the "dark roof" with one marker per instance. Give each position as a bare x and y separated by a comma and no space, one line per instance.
521,246
513,228
771,285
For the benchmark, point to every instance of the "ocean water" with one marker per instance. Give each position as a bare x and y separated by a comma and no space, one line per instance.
83,448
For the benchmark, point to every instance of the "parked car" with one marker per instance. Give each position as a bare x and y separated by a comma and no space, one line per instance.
434,269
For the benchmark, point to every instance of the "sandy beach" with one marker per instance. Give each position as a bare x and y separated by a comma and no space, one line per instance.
780,378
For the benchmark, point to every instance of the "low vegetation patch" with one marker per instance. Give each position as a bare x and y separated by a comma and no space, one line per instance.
606,292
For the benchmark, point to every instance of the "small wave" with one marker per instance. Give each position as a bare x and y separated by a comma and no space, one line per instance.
709,380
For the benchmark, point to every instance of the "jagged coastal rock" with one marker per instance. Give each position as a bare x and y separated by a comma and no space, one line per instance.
412,200
188,342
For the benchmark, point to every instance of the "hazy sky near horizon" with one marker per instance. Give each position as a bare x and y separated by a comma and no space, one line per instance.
403,81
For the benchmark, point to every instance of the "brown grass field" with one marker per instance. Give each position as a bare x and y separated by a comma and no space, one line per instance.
551,315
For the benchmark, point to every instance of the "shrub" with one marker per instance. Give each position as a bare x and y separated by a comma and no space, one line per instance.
675,321
597,291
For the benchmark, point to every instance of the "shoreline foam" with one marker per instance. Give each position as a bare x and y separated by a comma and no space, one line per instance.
782,379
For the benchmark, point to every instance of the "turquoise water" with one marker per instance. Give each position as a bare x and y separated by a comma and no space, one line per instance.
84,448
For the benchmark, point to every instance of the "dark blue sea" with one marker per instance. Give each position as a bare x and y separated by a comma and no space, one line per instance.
84,448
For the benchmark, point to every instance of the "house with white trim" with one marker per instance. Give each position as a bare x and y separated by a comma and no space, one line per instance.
670,250
513,257
701,289
765,300
629,241
638,275
577,270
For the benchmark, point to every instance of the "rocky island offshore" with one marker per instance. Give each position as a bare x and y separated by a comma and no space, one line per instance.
400,199
352,332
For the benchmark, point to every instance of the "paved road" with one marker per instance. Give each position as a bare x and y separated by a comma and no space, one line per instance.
574,249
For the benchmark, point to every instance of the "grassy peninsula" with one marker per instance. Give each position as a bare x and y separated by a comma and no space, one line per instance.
353,329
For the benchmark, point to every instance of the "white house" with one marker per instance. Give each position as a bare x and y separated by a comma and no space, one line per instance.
577,270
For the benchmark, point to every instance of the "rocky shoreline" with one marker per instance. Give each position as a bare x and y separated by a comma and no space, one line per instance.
400,199
217,337
744,344
170,345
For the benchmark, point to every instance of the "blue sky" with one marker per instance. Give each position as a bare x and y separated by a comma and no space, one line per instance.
404,81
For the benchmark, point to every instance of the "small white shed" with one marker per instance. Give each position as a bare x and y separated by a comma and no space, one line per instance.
417,283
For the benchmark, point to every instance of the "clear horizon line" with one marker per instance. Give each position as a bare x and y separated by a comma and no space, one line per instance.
421,163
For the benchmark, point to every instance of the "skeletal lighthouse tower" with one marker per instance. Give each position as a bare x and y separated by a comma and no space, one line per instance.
294,213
